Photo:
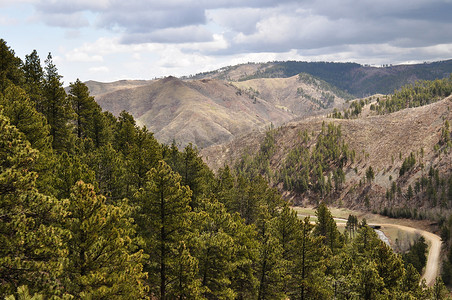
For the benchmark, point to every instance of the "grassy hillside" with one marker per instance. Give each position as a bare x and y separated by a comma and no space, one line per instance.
206,112
202,112
97,88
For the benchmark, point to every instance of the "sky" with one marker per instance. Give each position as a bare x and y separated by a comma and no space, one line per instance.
108,40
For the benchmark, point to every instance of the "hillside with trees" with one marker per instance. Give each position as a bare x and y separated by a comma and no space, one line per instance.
92,206
358,80
393,163
384,163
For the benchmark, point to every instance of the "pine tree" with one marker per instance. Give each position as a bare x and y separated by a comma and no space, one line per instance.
194,174
125,133
409,285
214,247
287,228
85,108
224,188
31,252
67,171
56,107
103,262
188,285
243,279
269,269
370,175
163,218
10,72
22,114
326,227
143,155
307,270
34,79
365,280
109,168
23,293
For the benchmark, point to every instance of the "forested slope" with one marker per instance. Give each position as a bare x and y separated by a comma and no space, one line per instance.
93,207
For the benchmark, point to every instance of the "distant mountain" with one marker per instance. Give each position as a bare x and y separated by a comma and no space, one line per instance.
206,112
356,79
215,107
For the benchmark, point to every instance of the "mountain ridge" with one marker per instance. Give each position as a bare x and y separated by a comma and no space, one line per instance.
211,111
358,80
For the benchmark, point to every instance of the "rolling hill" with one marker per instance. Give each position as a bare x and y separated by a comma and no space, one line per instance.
215,107
206,112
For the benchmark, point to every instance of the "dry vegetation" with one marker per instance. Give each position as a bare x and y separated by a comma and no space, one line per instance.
209,111
382,142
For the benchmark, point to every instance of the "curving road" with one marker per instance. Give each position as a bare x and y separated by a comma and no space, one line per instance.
433,259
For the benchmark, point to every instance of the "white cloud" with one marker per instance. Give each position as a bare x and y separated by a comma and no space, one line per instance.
77,56
102,69
141,38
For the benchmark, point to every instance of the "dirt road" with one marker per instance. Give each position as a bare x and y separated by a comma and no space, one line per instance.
433,259
410,226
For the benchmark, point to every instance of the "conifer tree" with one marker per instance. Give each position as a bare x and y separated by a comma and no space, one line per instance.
109,168
243,279
214,247
326,227
308,278
287,228
85,108
224,188
143,155
22,114
366,281
409,285
269,269
10,72
163,218
34,79
68,170
194,174
30,252
56,107
125,133
187,285
103,262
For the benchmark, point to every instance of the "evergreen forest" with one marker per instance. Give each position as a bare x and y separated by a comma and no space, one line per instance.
92,206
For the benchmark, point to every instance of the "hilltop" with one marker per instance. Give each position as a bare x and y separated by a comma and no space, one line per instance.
97,88
210,111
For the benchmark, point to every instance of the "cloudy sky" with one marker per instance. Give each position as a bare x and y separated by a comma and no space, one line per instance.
108,40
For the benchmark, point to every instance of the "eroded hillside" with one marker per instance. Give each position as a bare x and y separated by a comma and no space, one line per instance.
383,143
